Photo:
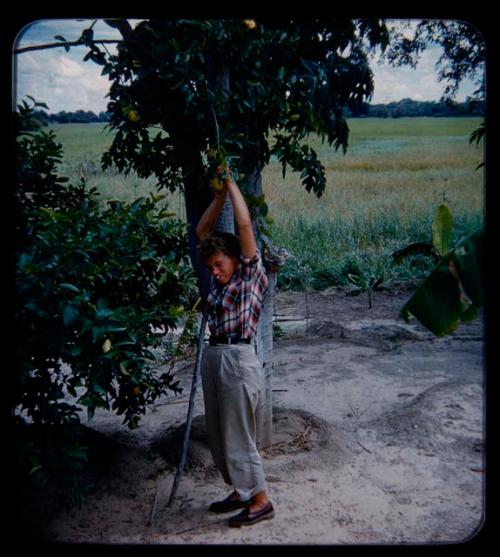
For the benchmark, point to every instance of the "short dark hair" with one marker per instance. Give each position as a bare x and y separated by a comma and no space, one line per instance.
218,242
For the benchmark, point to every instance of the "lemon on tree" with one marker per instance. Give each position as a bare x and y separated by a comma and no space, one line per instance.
131,113
217,169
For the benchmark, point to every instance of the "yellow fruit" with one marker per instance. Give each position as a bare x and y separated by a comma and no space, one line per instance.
217,169
216,184
106,345
133,115
250,23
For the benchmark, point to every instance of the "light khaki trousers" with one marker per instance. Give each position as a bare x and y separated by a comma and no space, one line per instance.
232,384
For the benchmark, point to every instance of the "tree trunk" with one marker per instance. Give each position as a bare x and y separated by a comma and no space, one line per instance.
264,415
219,79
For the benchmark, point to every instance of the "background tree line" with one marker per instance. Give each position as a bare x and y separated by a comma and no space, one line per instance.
410,107
63,117
395,109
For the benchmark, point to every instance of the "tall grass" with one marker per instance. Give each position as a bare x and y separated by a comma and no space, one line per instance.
380,196
84,145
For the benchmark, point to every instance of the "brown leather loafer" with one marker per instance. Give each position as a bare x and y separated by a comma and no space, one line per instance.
247,518
227,505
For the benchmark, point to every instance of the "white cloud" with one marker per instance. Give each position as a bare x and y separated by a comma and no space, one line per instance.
62,79
420,84
92,84
30,64
66,67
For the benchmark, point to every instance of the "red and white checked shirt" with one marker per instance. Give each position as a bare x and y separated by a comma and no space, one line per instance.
234,309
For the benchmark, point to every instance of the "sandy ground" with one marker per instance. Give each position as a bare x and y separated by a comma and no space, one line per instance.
379,438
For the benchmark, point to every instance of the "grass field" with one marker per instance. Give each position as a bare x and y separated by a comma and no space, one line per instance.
380,196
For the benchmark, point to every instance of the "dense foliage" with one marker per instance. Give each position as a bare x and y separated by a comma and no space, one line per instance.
463,51
230,84
97,290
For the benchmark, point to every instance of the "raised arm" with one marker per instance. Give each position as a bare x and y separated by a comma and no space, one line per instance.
209,217
243,219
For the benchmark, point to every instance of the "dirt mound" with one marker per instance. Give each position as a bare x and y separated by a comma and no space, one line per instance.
383,334
169,446
297,433
437,421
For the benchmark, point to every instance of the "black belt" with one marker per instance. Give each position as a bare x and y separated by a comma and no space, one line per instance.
228,340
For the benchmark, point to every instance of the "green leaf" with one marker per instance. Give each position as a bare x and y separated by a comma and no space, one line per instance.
469,314
114,329
436,303
49,212
468,257
413,249
355,279
103,313
87,36
96,388
439,303
69,286
441,230
123,369
70,314
36,468
478,134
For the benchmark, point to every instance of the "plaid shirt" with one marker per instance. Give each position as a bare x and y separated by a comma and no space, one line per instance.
234,309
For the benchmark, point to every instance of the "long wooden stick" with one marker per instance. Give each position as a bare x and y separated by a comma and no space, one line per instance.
189,419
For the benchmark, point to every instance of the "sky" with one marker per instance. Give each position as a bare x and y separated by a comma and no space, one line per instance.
64,81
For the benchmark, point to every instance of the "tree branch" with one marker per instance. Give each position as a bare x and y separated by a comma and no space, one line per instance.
65,44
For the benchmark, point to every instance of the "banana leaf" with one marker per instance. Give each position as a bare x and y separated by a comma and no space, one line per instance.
453,290
442,227
416,248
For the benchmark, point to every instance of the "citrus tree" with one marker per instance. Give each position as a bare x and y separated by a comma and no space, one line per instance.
246,89
96,292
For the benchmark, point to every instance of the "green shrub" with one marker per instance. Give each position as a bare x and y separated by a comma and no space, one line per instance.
97,290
